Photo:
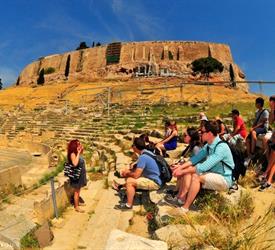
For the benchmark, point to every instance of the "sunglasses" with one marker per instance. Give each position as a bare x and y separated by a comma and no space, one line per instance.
203,132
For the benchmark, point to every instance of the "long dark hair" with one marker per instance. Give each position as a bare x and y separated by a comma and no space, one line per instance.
195,140
72,148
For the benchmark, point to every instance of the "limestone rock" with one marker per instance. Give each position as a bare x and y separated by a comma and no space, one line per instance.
5,246
44,235
178,235
125,241
91,64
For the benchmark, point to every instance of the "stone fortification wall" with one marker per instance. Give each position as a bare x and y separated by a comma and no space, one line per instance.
159,58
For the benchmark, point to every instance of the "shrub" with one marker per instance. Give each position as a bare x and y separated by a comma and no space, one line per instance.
49,70
82,45
170,55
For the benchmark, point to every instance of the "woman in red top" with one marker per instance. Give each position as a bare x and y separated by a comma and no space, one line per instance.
239,125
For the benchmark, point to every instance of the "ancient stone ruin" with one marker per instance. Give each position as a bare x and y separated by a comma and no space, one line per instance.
129,60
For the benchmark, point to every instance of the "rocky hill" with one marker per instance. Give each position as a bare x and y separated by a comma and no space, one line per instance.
131,59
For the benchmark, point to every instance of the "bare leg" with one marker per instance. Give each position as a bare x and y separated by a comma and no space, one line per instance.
271,166
131,190
185,186
76,199
247,143
253,141
160,147
194,189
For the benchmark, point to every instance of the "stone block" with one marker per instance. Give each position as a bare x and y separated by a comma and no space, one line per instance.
178,235
15,232
125,241
44,235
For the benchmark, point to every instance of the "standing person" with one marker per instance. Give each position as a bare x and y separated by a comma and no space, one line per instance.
214,173
260,126
239,127
170,137
270,171
145,176
75,150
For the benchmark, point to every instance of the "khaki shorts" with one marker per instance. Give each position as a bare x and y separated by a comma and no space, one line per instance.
214,181
146,184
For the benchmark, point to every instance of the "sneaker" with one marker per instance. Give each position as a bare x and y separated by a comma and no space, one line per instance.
171,192
123,207
183,210
264,186
174,201
262,179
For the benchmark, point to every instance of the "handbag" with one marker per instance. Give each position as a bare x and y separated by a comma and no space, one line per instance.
71,171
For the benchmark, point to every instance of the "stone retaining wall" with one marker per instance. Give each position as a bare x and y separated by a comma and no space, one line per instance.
10,178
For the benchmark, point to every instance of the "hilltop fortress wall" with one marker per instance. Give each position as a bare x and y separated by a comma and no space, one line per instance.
132,59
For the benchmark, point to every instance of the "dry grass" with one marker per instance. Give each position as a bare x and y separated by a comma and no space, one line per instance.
30,96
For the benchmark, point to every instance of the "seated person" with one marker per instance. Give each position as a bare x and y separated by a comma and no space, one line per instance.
192,138
145,175
270,171
222,128
239,132
170,137
203,118
214,173
260,126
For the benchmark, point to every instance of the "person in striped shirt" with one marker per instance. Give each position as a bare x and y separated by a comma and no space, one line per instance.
214,173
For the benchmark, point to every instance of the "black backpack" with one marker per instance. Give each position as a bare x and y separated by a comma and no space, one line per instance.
164,168
238,158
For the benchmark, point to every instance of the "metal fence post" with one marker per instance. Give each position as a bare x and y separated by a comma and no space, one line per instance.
109,100
54,198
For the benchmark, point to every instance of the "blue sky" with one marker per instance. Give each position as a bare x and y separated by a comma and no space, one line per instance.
32,28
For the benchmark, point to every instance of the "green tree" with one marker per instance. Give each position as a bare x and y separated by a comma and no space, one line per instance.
232,76
41,79
98,44
162,55
1,85
206,65
18,81
82,45
67,69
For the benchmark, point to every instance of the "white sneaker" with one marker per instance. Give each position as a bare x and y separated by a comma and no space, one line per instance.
183,210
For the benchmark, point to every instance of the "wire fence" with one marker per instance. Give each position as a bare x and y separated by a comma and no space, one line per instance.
166,92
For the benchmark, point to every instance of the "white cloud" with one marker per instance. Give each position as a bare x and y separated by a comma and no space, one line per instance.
8,76
137,13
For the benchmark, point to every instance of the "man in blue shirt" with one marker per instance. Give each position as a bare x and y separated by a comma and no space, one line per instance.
145,176
214,173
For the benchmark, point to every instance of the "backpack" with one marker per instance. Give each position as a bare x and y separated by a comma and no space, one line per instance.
164,168
238,158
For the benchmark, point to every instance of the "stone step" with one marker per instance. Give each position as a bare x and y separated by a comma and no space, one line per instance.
73,224
103,221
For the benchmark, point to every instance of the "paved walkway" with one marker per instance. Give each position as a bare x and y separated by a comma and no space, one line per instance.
11,156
